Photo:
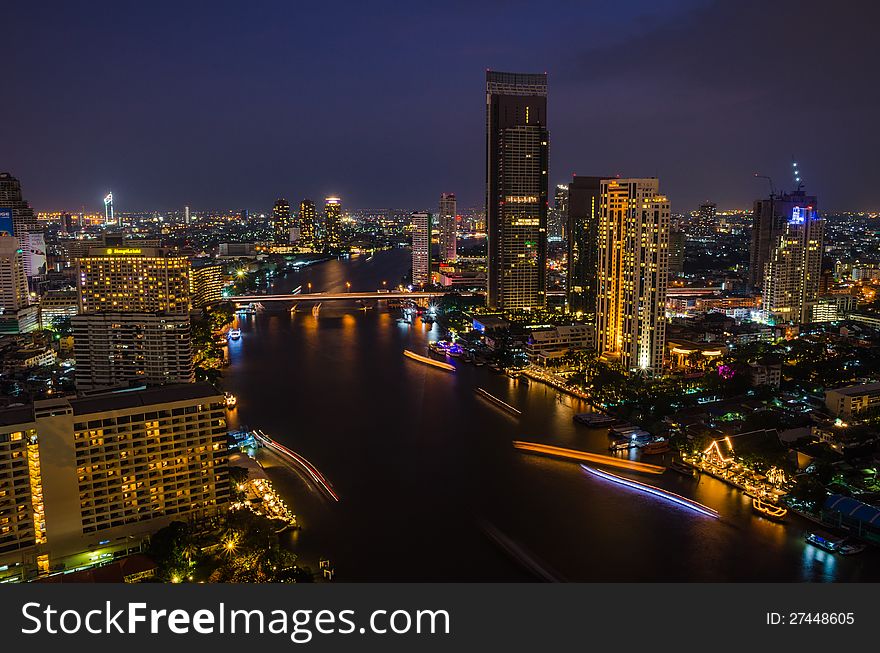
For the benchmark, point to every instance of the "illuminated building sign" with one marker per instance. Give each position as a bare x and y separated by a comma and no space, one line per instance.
521,199
798,215
123,251
6,222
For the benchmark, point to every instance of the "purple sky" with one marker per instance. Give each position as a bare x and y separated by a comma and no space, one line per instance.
224,105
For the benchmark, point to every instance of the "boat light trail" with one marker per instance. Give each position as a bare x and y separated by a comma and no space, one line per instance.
301,462
572,454
655,491
498,402
428,361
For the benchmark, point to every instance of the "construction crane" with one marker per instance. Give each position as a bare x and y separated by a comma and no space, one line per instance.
758,175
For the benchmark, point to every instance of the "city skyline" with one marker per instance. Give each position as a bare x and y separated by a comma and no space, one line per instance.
210,115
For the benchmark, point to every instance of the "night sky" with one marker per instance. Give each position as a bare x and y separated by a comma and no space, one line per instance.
226,105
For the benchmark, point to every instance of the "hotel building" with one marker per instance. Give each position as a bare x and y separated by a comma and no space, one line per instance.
140,279
83,481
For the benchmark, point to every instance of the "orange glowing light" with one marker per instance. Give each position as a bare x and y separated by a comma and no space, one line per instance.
572,454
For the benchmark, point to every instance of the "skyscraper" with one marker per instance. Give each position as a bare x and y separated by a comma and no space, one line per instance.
115,349
769,221
633,270
308,224
516,188
23,218
185,216
333,222
448,227
109,215
17,219
557,217
421,248
582,201
792,273
16,313
281,222
677,242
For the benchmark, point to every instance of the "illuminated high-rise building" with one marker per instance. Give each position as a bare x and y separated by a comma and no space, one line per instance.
792,273
582,201
185,216
109,215
17,219
16,313
633,270
557,217
308,224
516,189
769,221
421,248
448,227
139,279
677,242
281,222
205,282
333,223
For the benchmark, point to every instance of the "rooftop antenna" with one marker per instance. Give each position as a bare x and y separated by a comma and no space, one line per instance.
798,182
758,175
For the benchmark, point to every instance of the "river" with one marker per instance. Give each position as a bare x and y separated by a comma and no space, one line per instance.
432,490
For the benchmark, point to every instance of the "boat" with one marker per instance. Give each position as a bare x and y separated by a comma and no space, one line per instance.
231,399
523,380
849,548
769,510
824,542
234,334
655,447
594,419
683,468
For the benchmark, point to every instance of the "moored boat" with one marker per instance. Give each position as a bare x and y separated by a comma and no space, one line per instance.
655,447
683,468
231,399
824,542
234,334
769,510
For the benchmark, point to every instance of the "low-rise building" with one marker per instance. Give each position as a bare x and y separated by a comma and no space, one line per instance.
853,400
545,344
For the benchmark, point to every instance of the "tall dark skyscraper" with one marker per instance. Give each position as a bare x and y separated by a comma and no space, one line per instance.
583,202
448,227
770,218
281,222
516,188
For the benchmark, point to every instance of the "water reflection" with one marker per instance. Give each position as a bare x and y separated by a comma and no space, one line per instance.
423,463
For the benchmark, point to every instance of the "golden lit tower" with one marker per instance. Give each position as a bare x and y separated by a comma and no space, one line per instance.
633,268
333,222
281,222
308,224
